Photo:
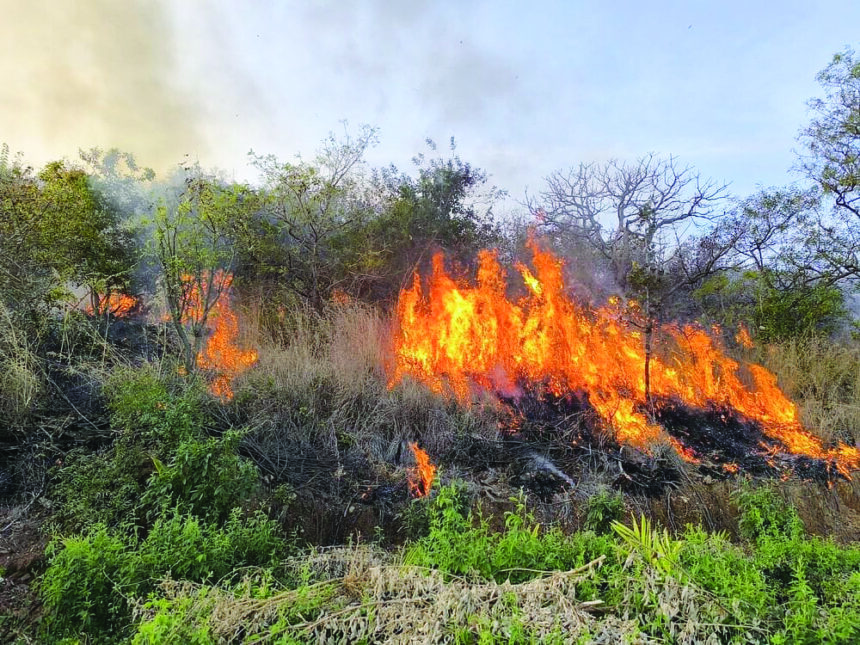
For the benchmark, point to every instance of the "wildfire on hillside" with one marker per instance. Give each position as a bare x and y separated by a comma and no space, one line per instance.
116,304
421,477
458,337
221,353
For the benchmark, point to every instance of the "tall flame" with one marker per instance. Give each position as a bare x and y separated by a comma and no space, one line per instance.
421,477
221,352
455,336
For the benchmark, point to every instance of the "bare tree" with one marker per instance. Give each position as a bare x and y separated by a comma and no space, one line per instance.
639,217
628,212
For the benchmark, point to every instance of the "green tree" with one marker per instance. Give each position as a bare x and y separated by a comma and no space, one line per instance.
194,245
311,205
447,205
775,279
82,233
56,231
832,161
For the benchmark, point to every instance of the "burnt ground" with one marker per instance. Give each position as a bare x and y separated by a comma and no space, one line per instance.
22,548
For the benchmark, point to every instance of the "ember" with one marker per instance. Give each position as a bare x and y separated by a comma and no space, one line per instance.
421,477
458,338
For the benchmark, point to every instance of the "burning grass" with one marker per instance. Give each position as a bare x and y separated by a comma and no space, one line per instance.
457,337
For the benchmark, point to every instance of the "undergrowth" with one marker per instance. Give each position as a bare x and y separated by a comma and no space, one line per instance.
462,583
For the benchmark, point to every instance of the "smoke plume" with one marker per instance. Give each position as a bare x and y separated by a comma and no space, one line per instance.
99,72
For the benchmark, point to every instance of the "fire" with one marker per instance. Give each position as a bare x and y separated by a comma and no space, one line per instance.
742,338
221,352
457,337
421,477
116,304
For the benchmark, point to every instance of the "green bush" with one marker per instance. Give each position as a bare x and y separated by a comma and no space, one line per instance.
763,513
101,488
602,509
84,590
92,579
161,458
460,542
151,407
206,476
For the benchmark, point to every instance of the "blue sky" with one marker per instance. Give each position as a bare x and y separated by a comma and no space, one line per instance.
525,87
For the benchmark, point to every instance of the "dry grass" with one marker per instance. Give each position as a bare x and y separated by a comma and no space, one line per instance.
320,388
20,381
823,377
365,595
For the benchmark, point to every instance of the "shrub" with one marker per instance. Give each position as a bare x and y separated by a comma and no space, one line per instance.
461,543
602,509
152,408
763,512
102,488
84,590
158,418
92,579
206,476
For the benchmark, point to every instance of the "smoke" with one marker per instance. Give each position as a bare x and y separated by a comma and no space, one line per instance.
100,72
436,51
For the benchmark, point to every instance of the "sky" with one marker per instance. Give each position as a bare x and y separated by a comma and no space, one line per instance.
525,87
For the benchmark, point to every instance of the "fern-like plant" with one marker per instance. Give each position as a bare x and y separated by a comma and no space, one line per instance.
658,548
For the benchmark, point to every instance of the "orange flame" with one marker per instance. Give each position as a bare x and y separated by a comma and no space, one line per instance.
457,336
116,304
742,338
421,477
221,352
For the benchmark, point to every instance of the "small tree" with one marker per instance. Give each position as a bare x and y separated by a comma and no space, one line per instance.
446,206
833,136
194,247
56,231
82,233
832,141
775,277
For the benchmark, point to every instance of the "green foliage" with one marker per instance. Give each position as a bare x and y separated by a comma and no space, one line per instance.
309,209
833,135
56,229
775,307
151,407
461,543
446,206
782,587
194,243
82,231
725,570
92,579
764,513
170,624
82,590
161,459
101,488
602,509
658,548
206,476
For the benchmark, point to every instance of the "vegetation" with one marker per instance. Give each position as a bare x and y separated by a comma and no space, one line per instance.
141,505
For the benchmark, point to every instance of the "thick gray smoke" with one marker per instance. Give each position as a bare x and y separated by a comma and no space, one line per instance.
96,72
